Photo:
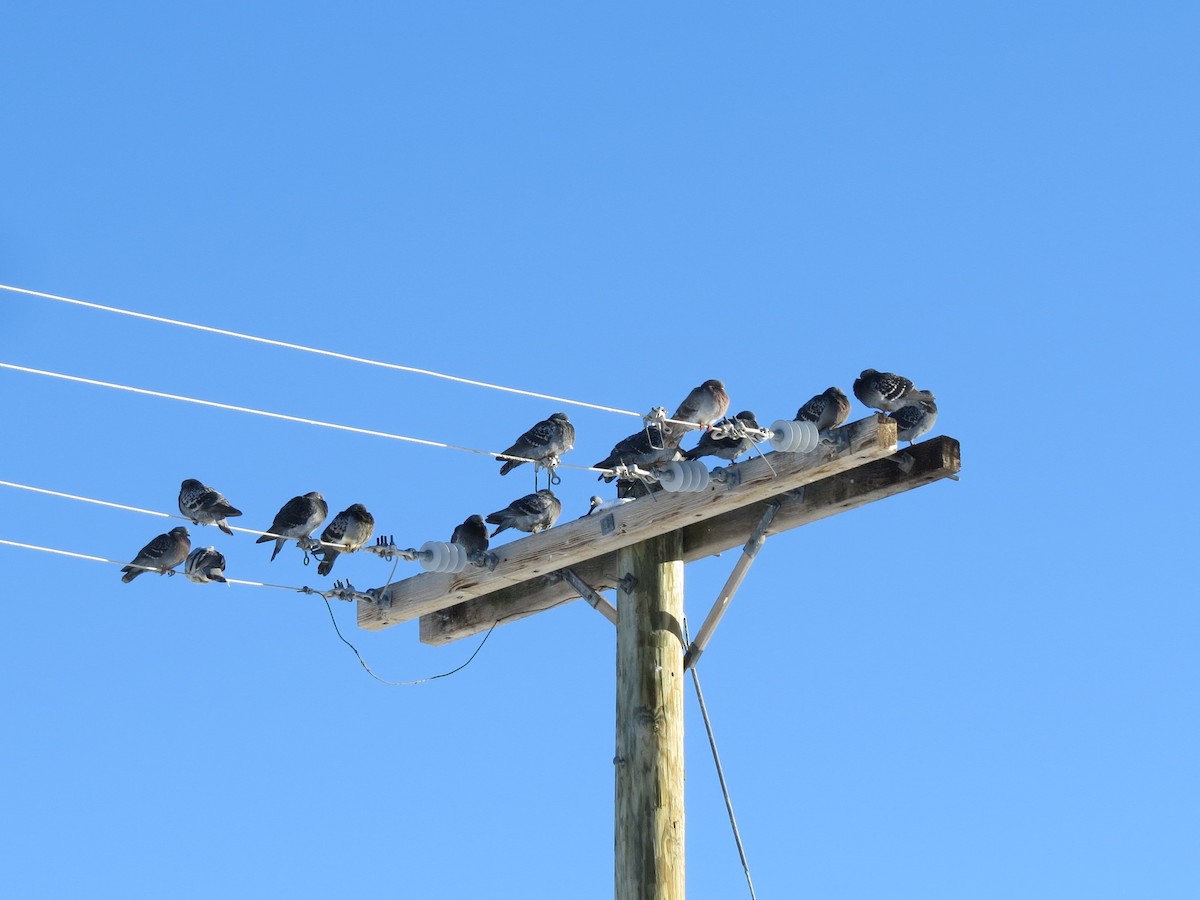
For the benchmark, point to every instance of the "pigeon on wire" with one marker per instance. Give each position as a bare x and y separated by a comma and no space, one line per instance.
544,443
472,536
916,417
204,565
205,505
298,518
649,447
730,447
532,513
704,405
828,409
349,530
884,391
161,555
599,505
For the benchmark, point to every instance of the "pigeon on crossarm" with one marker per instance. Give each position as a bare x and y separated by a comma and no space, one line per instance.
649,447
472,536
704,405
545,442
597,505
828,409
531,513
298,518
204,565
916,417
161,555
349,530
730,447
884,391
205,505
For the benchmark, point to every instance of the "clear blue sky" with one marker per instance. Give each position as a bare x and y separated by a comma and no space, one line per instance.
985,689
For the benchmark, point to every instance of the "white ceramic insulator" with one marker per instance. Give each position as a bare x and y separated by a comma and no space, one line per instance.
790,436
688,476
437,556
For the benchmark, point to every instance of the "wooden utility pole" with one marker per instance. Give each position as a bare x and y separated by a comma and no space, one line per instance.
649,759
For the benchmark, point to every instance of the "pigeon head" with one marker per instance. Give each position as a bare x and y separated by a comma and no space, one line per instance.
180,531
191,484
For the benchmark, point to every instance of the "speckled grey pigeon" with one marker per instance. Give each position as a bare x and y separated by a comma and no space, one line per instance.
298,518
161,555
727,447
205,564
649,447
349,530
471,535
545,442
885,391
205,505
828,409
704,405
916,417
531,513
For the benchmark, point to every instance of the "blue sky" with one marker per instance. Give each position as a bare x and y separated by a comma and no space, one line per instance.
978,689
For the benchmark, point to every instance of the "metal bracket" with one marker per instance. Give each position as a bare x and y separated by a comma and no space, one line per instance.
608,524
628,582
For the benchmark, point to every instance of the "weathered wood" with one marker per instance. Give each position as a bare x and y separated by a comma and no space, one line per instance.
931,461
649,758
523,561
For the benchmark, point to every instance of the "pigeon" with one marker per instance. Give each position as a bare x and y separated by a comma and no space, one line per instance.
916,417
531,513
299,518
161,555
205,564
471,535
545,442
349,530
651,446
599,505
705,404
884,391
727,447
205,506
828,409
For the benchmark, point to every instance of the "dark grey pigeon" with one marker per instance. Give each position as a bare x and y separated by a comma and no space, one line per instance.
545,442
161,555
884,391
726,447
828,409
471,535
650,447
916,417
704,405
531,513
205,506
299,518
349,530
205,564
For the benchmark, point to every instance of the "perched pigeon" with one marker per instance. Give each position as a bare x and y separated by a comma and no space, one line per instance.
651,446
828,409
531,513
162,554
599,505
299,518
545,442
205,564
471,535
916,417
882,390
349,530
705,404
205,506
726,447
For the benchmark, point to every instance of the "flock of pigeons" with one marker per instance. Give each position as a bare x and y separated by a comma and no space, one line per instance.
652,446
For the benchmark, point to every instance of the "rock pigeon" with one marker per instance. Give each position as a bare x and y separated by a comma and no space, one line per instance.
299,518
882,390
205,564
349,530
828,409
545,442
531,513
472,536
705,404
916,417
651,446
205,506
598,505
726,447
162,554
